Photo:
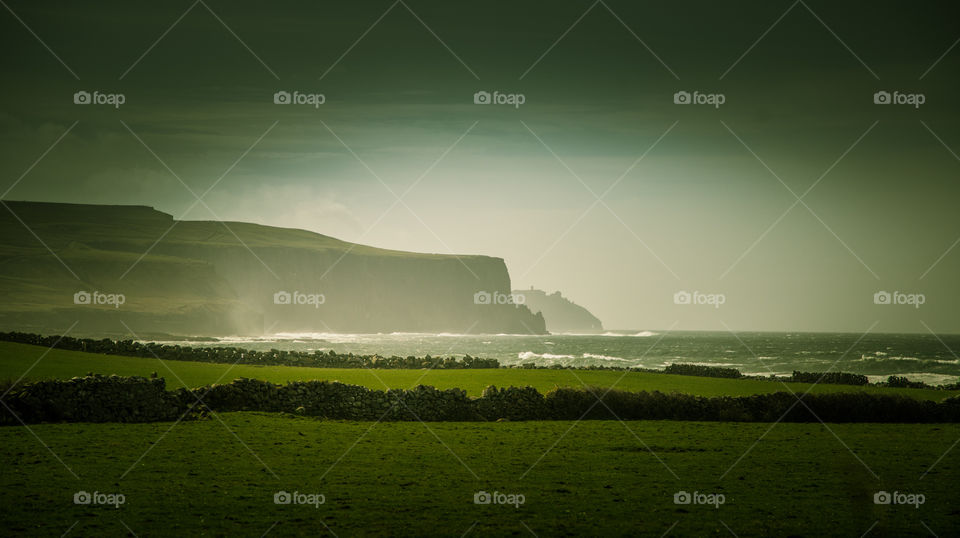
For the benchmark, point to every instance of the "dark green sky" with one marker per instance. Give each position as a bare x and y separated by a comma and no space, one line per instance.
679,220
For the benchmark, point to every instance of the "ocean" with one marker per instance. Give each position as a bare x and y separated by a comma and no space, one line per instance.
919,357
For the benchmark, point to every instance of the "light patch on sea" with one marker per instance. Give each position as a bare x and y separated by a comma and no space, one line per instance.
621,334
552,358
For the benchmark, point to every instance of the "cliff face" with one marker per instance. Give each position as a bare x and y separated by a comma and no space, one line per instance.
198,277
561,314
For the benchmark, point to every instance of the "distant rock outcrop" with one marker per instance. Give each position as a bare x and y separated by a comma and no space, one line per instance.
107,268
561,314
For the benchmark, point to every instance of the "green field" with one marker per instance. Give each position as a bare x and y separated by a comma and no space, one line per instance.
15,359
218,477
594,478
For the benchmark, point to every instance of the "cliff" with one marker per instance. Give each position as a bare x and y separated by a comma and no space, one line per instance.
561,314
213,278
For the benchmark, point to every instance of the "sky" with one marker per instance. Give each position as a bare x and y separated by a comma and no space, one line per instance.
789,195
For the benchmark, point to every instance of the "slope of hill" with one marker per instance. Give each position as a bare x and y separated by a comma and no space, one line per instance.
561,314
213,278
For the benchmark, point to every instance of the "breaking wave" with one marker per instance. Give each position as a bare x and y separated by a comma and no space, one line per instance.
524,355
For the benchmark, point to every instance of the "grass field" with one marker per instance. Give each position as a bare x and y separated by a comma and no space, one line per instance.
15,359
592,478
219,476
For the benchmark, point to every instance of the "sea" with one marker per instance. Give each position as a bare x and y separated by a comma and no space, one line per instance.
920,357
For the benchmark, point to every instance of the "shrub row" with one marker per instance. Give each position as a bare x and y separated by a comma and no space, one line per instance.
834,378
904,383
702,371
231,355
135,399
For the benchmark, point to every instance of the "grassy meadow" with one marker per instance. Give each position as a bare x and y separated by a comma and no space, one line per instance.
598,478
220,476
59,364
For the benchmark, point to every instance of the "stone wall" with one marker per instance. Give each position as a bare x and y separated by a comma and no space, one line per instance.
93,399
98,398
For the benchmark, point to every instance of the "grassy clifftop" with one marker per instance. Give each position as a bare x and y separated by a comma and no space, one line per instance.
205,277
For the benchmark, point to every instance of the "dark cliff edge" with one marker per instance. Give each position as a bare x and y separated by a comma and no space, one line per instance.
112,267
561,314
